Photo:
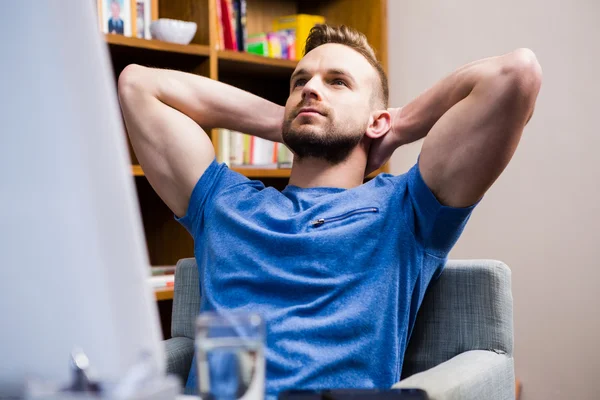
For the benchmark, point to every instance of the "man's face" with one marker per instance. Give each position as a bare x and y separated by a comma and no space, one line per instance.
115,10
330,103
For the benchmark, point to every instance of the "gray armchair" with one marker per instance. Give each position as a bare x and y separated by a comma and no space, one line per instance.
461,346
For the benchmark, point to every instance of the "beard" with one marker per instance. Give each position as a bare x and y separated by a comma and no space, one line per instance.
325,141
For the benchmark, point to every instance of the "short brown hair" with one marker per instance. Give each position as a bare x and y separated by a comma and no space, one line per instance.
322,34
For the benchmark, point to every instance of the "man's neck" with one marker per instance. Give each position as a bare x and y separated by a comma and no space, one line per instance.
311,172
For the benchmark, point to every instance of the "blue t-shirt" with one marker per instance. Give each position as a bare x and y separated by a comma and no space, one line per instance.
338,274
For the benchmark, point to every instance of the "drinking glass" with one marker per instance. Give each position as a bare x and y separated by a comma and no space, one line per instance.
230,356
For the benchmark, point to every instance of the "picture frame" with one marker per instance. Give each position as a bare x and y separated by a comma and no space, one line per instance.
116,16
145,11
136,16
141,20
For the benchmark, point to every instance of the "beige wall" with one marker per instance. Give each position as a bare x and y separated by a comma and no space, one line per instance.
542,216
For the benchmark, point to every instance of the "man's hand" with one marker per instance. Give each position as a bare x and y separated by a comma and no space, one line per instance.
382,149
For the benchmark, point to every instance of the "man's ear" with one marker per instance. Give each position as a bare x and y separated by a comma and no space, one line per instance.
379,124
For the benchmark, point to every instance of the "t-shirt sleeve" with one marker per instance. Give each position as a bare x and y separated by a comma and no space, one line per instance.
213,181
435,226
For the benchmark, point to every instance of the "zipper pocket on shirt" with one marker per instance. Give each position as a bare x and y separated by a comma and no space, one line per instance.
321,221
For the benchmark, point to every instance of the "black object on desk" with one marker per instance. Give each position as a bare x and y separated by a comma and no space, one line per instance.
354,394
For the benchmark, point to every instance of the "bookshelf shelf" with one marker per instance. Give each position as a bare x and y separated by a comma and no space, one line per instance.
156,45
163,293
236,62
136,170
256,173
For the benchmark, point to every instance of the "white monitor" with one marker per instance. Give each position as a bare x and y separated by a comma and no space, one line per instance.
73,260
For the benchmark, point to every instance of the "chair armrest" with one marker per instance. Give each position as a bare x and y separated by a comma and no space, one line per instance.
473,375
179,353
186,299
470,307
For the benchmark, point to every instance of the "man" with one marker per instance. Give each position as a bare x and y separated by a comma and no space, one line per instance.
337,267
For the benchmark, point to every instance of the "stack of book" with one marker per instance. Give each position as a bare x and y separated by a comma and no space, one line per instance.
162,276
231,24
237,149
285,41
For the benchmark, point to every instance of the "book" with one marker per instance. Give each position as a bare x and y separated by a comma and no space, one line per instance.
162,281
162,270
229,40
239,7
285,157
299,25
224,146
274,45
220,38
236,152
258,44
251,151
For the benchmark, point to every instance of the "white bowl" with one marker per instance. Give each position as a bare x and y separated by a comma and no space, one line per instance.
173,31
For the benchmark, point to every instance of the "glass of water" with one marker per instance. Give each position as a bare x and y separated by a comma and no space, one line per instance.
230,356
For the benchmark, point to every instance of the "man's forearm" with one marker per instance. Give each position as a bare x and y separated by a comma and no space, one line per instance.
413,121
213,104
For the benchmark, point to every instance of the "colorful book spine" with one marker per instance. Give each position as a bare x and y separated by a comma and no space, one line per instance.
298,25
233,16
162,270
258,44
239,7
237,149
274,42
227,26
285,157
162,281
220,38
224,146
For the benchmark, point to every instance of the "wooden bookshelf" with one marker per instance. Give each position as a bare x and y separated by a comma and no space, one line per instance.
258,173
136,170
156,45
167,241
254,64
163,293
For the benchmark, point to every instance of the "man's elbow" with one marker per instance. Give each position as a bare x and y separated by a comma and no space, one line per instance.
523,74
131,82
518,83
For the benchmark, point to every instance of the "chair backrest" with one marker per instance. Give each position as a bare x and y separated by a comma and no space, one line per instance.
468,308
186,299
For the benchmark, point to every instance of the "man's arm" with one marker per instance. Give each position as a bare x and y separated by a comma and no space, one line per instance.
165,112
473,121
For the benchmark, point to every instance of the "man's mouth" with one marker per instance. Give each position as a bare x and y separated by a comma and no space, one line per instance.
308,111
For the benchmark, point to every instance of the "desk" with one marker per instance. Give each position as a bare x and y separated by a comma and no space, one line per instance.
517,393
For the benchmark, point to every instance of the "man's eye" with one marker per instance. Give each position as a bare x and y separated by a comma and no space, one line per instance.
339,82
300,82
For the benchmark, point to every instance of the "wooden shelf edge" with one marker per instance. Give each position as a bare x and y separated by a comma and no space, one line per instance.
243,57
165,293
152,44
378,171
263,172
136,170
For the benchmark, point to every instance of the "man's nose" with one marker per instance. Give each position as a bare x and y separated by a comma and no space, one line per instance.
311,90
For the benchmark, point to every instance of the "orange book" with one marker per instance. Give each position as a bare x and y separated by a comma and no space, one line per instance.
220,39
